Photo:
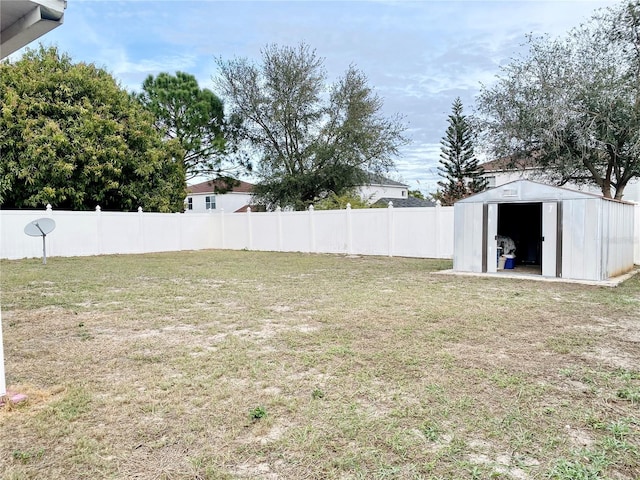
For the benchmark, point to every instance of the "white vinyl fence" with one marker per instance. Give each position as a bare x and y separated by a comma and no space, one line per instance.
407,232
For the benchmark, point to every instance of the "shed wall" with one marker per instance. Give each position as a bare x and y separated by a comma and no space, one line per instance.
581,241
598,239
618,241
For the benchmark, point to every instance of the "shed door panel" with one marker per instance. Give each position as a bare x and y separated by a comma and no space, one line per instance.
550,239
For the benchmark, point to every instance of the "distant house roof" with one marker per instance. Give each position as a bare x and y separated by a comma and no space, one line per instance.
377,179
254,208
210,186
405,202
508,164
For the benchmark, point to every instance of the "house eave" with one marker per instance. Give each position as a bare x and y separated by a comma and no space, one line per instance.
25,21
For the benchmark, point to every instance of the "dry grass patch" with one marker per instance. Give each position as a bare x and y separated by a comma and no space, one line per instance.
286,366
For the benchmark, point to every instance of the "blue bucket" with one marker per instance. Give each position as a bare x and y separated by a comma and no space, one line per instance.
510,262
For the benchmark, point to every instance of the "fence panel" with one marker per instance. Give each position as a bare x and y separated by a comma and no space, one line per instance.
372,231
265,231
298,231
13,241
416,234
332,232
116,232
236,231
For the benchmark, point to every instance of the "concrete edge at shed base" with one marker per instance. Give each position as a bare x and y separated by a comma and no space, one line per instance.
12,397
612,282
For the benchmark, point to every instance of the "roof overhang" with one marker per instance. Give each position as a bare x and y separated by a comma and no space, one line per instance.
23,21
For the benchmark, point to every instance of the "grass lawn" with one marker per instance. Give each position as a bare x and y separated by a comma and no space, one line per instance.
222,365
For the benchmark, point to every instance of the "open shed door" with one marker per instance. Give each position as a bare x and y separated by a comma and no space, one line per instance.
551,239
490,263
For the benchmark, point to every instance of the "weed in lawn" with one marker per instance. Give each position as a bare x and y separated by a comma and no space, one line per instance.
388,471
619,429
595,421
588,465
257,413
568,343
83,333
431,431
75,403
616,446
506,379
630,393
479,472
25,456
626,375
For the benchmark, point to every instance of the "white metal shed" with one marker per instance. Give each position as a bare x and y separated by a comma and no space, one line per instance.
557,232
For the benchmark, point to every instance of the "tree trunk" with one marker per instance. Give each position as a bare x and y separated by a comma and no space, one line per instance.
606,187
620,189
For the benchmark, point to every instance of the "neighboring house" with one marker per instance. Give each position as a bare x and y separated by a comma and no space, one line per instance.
204,197
501,171
380,187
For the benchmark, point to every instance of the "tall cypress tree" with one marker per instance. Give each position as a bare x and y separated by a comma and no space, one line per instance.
462,176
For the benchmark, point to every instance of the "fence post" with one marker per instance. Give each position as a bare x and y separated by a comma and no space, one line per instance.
636,234
279,225
141,231
222,228
312,230
249,231
99,229
52,244
438,227
349,230
390,226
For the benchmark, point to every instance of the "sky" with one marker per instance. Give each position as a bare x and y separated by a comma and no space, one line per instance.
418,55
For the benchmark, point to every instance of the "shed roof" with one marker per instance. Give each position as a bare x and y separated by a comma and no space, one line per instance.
526,190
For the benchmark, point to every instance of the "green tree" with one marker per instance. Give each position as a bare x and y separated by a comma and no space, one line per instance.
310,143
71,137
416,194
340,202
195,118
462,176
572,104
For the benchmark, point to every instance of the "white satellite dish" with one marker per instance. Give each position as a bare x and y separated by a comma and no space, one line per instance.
41,227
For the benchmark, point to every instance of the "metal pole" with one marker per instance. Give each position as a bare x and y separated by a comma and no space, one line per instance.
44,248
